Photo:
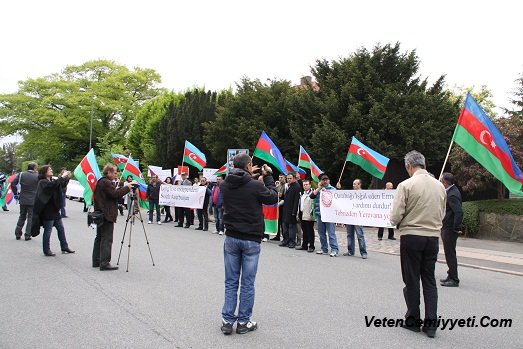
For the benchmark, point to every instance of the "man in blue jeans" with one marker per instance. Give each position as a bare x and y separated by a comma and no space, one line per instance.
324,228
351,229
243,197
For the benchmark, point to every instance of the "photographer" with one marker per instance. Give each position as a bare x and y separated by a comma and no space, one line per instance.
106,200
243,197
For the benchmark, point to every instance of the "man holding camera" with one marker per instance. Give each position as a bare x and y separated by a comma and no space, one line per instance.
243,197
106,200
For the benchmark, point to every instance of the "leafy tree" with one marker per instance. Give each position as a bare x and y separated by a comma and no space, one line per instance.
184,120
8,159
379,97
53,115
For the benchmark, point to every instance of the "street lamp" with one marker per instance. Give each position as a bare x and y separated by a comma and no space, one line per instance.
91,121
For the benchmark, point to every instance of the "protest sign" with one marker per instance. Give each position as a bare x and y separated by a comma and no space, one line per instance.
182,195
357,207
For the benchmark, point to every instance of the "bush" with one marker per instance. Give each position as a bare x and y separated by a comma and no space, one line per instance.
472,209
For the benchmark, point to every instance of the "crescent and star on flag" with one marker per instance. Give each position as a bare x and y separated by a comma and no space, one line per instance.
486,142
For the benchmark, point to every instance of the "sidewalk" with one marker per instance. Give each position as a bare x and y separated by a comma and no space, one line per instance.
499,256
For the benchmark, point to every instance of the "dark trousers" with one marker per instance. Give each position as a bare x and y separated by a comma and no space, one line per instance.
48,227
168,216
280,222
184,214
449,238
308,233
203,218
418,256
26,211
103,244
152,205
380,233
62,209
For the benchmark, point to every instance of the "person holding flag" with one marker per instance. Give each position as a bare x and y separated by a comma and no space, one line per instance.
324,228
3,179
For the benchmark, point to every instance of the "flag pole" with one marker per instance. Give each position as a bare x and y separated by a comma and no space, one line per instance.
343,169
446,158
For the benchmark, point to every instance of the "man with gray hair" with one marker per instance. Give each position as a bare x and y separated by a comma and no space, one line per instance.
451,229
418,210
28,181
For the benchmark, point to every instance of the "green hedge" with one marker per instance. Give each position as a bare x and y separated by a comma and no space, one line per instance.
471,210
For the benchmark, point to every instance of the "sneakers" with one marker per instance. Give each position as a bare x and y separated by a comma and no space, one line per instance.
264,240
149,222
159,223
216,232
321,252
333,254
347,254
226,327
220,233
364,256
247,327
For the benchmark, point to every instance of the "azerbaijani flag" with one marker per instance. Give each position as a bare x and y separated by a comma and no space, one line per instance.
292,168
368,159
131,169
270,217
88,173
119,160
221,171
193,156
267,150
306,161
480,138
7,196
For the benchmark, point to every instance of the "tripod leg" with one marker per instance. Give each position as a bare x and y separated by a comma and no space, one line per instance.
146,239
129,216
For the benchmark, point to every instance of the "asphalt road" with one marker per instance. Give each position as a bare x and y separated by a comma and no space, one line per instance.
302,300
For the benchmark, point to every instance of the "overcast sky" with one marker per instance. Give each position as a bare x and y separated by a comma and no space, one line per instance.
214,43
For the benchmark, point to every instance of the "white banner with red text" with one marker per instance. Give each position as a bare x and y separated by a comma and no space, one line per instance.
182,195
370,208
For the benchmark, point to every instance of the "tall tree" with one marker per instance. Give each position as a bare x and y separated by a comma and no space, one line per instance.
53,113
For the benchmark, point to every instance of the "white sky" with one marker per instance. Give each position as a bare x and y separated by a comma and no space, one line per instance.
215,43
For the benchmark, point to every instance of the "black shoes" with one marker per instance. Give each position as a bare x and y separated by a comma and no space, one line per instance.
67,250
411,328
199,228
430,332
226,328
310,250
108,267
276,238
186,226
301,248
450,283
18,237
247,327
392,238
49,253
179,225
27,238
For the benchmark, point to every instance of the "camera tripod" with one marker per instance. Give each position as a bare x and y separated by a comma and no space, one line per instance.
133,211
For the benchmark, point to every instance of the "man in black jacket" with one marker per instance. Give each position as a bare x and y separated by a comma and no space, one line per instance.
451,228
28,181
153,196
106,200
243,197
290,212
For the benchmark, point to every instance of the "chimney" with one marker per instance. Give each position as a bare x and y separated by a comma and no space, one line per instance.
306,80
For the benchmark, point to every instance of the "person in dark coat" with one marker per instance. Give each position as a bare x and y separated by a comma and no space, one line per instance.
243,197
153,196
290,211
106,200
28,181
203,213
46,209
451,229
